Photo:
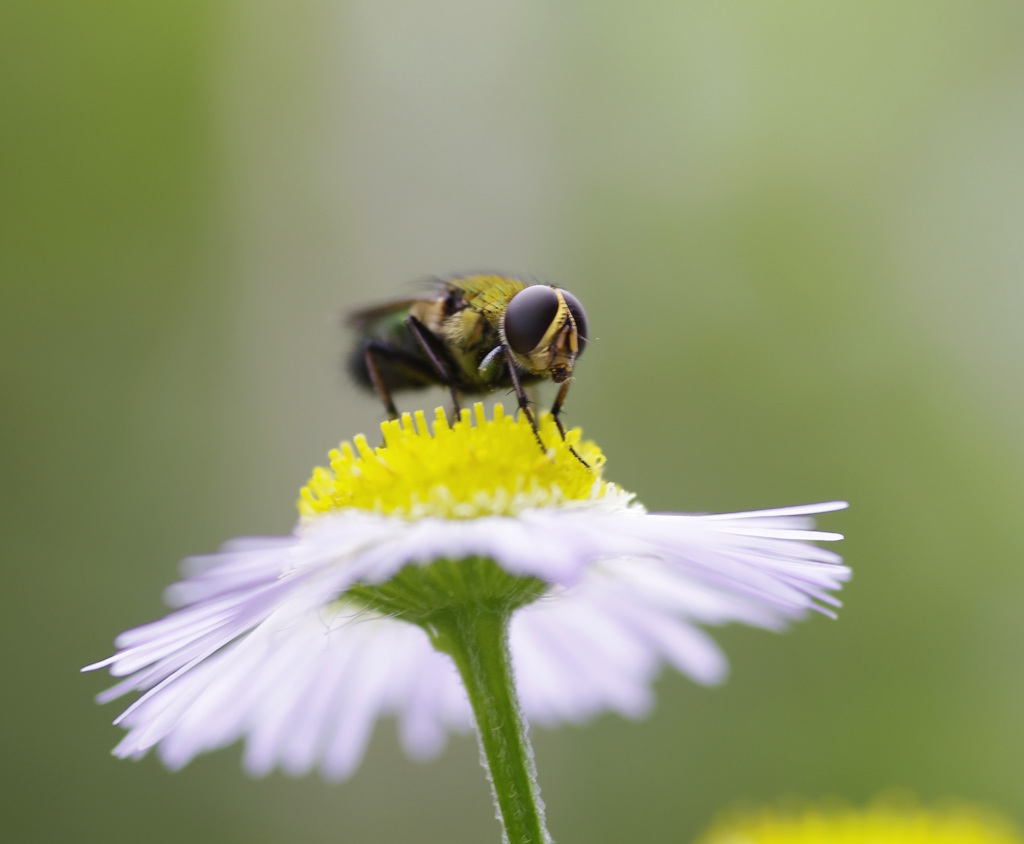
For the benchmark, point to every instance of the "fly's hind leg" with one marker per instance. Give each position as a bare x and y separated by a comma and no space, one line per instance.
378,383
435,354
377,352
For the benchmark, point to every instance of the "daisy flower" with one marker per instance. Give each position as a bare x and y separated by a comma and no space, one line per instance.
423,576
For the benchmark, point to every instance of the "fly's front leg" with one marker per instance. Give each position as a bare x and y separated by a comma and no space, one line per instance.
556,410
428,342
521,397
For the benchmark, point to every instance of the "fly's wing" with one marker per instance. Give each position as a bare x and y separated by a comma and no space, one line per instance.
387,312
364,318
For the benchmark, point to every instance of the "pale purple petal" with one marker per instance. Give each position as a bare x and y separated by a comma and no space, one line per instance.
263,646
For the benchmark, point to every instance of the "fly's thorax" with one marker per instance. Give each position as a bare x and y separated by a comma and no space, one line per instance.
455,320
431,312
467,330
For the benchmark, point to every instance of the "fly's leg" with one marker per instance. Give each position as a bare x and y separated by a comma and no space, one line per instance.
429,343
521,397
377,352
556,411
524,404
556,408
371,349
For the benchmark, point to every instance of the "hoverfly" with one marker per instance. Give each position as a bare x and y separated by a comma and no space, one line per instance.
471,334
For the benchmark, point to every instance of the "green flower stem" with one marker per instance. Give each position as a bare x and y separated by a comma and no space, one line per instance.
476,638
465,606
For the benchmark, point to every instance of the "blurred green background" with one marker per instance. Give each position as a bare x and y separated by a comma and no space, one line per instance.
796,227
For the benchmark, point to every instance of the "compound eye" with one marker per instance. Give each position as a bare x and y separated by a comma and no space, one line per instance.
579,316
529,316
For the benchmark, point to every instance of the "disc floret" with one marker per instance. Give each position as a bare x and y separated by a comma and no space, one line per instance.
460,471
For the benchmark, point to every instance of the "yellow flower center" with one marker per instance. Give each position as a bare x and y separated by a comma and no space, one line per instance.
493,467
879,824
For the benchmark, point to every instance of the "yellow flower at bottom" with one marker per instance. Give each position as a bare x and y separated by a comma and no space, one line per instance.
462,471
885,822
